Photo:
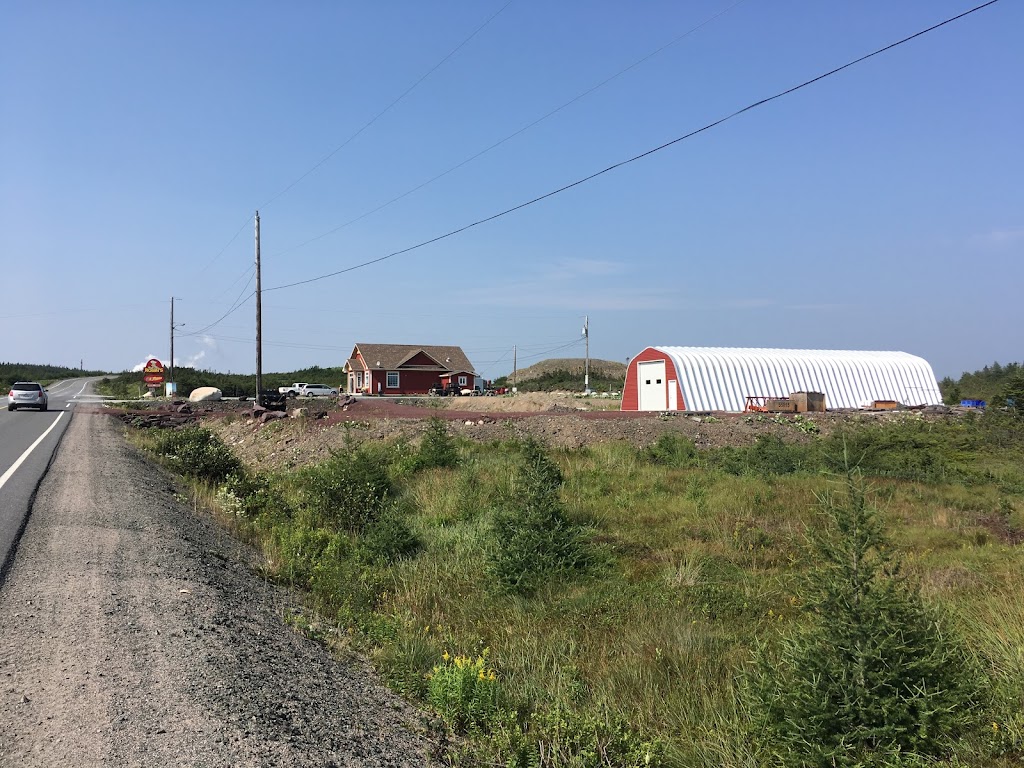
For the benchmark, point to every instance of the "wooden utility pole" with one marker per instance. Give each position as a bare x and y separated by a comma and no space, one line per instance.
514,369
170,363
259,318
586,364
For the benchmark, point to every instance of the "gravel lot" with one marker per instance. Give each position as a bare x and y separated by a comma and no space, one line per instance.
134,633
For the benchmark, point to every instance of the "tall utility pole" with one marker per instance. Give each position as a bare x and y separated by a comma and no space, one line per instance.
259,317
170,363
586,364
514,368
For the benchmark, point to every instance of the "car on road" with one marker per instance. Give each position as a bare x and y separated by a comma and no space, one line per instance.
27,394
318,390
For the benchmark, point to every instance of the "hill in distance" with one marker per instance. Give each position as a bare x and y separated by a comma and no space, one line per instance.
566,374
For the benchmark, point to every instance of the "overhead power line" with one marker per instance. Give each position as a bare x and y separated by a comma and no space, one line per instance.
388,108
512,135
642,155
238,303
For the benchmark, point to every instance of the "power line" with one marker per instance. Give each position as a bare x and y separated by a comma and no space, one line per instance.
512,135
386,109
351,138
642,155
221,252
238,303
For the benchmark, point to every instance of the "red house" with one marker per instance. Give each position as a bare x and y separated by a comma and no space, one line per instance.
406,369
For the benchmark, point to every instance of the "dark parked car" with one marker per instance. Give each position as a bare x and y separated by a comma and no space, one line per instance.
27,394
438,391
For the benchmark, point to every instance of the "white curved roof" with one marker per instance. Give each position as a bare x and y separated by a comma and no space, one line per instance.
721,378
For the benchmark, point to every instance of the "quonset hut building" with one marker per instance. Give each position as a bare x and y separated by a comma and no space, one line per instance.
722,378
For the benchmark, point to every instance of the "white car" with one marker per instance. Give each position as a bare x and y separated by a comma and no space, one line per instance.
27,394
318,390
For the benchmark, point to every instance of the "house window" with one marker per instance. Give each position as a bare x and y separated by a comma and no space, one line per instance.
462,381
359,380
392,379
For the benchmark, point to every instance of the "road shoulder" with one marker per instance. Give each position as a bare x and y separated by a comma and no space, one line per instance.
133,633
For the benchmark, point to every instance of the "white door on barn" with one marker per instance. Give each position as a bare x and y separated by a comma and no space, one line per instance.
651,382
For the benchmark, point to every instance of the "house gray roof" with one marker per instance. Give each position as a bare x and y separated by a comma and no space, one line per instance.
393,356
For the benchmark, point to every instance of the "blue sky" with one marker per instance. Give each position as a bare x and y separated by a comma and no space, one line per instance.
881,208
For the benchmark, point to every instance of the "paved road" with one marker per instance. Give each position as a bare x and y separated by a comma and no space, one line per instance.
28,440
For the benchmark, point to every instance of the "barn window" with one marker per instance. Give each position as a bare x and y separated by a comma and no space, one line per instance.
658,381
648,381
462,381
392,379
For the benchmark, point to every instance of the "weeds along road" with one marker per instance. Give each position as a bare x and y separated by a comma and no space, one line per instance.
134,633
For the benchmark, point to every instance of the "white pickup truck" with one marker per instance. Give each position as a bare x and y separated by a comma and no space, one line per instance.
302,389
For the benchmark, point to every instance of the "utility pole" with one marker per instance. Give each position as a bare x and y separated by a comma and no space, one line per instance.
514,368
170,364
259,317
586,364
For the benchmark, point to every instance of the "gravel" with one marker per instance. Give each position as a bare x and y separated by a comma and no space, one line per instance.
134,632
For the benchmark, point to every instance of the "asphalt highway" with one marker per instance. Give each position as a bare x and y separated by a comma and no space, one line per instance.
28,440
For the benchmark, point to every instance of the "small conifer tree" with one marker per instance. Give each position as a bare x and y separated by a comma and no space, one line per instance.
875,677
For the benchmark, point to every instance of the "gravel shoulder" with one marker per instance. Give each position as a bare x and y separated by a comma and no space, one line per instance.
133,632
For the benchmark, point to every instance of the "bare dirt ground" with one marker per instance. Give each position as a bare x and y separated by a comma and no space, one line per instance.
317,427
314,428
134,633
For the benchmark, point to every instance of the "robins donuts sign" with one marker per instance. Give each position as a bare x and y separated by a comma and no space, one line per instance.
153,373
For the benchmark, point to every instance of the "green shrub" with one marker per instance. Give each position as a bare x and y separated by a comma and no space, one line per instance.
876,675
907,449
769,455
389,537
672,451
348,491
198,453
437,448
561,739
533,538
252,497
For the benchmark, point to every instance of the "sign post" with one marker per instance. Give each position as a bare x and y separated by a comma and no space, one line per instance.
153,374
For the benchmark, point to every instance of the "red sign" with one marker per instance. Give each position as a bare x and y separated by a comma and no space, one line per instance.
153,372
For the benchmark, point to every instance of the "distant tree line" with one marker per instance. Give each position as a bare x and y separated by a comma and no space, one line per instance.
129,384
995,384
45,374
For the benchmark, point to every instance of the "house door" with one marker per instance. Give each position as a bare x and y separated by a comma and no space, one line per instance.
651,383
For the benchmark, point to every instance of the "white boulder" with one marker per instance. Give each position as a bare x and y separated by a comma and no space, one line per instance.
205,393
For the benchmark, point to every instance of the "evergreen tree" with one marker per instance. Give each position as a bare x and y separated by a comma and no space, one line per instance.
875,677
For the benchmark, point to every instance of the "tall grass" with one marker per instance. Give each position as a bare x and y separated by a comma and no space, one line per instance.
694,557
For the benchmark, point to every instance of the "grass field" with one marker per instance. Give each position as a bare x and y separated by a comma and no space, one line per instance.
607,605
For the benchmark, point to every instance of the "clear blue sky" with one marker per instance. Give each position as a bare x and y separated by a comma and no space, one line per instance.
882,208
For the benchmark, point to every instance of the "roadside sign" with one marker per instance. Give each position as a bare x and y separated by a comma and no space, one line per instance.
153,372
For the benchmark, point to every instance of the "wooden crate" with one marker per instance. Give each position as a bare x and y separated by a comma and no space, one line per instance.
809,402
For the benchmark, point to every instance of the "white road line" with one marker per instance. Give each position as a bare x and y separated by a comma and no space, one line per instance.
21,459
